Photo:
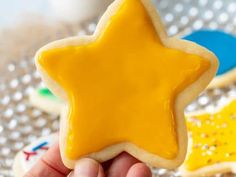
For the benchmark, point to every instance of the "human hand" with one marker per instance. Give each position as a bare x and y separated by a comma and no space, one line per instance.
124,165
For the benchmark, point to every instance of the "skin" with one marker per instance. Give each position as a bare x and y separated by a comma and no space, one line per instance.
124,165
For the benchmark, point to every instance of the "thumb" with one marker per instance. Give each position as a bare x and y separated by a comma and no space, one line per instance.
88,168
139,170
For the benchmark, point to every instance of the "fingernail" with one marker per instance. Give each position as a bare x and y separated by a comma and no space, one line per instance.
86,168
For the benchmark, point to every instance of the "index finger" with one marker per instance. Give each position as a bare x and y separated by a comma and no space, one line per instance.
49,165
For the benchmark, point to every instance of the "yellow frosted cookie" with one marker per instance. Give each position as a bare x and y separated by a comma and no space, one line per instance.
125,87
212,145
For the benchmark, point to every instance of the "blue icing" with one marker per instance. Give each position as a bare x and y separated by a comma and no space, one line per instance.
223,45
40,146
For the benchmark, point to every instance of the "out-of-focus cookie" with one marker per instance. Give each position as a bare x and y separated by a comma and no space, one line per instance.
125,87
30,154
223,45
211,142
43,99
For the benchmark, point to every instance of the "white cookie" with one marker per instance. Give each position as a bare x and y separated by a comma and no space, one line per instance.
29,155
44,100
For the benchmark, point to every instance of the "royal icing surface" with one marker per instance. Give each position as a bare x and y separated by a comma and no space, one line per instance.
46,93
32,153
220,43
212,138
122,86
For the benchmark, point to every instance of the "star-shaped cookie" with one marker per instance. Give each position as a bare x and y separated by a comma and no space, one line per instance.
212,142
125,87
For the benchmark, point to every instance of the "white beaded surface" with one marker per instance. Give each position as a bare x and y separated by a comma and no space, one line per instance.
21,124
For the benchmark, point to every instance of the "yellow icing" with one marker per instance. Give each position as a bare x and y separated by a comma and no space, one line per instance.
122,86
213,138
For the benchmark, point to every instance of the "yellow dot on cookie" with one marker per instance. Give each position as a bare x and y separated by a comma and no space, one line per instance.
122,84
212,138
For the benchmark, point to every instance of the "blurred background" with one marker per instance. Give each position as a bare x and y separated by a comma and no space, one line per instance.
25,25
14,11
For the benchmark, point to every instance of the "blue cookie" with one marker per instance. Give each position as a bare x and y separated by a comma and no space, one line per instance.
223,45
